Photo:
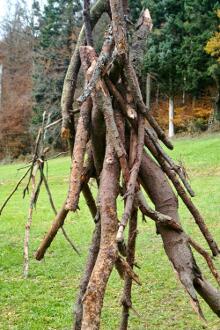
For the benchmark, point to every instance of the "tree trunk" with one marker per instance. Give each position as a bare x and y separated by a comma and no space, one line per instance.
171,117
1,74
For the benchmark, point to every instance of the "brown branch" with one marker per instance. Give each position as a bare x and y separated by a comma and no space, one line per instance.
57,223
89,200
55,212
158,217
93,298
93,253
102,61
186,199
207,258
136,93
82,136
173,166
176,244
61,216
126,297
132,183
87,23
70,81
123,268
119,29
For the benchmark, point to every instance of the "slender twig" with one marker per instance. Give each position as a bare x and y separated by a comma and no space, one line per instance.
58,155
53,123
14,190
207,258
29,219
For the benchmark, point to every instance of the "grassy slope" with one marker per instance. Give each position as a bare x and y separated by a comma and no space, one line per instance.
45,300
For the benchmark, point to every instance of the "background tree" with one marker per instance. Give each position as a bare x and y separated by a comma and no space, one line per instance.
56,31
213,48
163,57
16,49
200,22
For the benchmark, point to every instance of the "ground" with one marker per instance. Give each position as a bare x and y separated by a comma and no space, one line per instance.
45,300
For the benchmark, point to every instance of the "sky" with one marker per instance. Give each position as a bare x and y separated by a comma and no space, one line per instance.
4,4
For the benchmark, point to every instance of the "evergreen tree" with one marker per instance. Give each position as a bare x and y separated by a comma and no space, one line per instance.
56,31
213,48
163,56
200,22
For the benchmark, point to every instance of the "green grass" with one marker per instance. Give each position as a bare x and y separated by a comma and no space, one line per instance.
45,300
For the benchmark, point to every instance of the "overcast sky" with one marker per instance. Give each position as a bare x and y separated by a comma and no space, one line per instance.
5,4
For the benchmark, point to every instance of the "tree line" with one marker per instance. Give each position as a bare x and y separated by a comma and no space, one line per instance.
181,57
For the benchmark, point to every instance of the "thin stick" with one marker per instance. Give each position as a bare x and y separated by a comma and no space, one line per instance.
29,222
158,217
53,123
58,155
207,258
176,168
14,190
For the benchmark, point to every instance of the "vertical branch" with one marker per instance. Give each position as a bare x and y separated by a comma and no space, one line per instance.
93,299
132,180
126,298
132,233
82,136
87,22
29,221
93,253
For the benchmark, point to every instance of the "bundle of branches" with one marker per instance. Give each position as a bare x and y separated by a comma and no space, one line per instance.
118,142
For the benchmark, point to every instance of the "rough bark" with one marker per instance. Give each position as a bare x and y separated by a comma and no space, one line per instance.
100,66
132,182
186,199
93,299
82,136
130,250
176,244
92,256
126,297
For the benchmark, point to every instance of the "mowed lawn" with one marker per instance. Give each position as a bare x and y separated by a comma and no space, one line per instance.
46,299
